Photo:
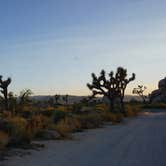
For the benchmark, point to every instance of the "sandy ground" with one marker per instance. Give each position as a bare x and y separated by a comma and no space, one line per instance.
139,142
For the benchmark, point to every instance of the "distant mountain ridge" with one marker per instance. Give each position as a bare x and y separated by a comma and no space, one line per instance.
75,99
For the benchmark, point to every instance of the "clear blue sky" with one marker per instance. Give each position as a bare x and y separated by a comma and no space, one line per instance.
52,46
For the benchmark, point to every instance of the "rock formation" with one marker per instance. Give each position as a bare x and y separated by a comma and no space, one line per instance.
159,95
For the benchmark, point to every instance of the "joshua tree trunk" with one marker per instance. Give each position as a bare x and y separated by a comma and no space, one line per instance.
111,104
6,99
122,103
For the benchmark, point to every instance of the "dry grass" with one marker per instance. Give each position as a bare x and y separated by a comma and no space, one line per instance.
90,121
155,105
112,117
132,110
66,126
17,126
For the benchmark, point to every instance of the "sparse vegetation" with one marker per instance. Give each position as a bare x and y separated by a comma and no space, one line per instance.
27,119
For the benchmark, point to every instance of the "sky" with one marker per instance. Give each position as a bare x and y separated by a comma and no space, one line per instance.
53,46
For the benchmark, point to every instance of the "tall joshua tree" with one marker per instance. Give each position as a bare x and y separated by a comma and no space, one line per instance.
104,86
112,87
122,81
4,90
140,92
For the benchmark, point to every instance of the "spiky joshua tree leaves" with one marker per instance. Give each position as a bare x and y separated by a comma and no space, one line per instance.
112,87
4,90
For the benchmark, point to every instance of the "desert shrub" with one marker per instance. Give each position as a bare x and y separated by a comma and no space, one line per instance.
50,108
4,140
102,107
18,131
17,126
40,121
111,117
91,120
26,111
47,113
62,108
67,125
155,105
58,115
37,124
26,114
132,110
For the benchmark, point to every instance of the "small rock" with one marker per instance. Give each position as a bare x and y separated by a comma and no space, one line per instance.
47,135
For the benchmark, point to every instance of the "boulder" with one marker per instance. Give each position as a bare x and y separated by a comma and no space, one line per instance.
159,95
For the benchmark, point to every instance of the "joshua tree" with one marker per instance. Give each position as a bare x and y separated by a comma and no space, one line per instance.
4,90
140,91
56,97
66,99
103,86
122,81
24,96
112,87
